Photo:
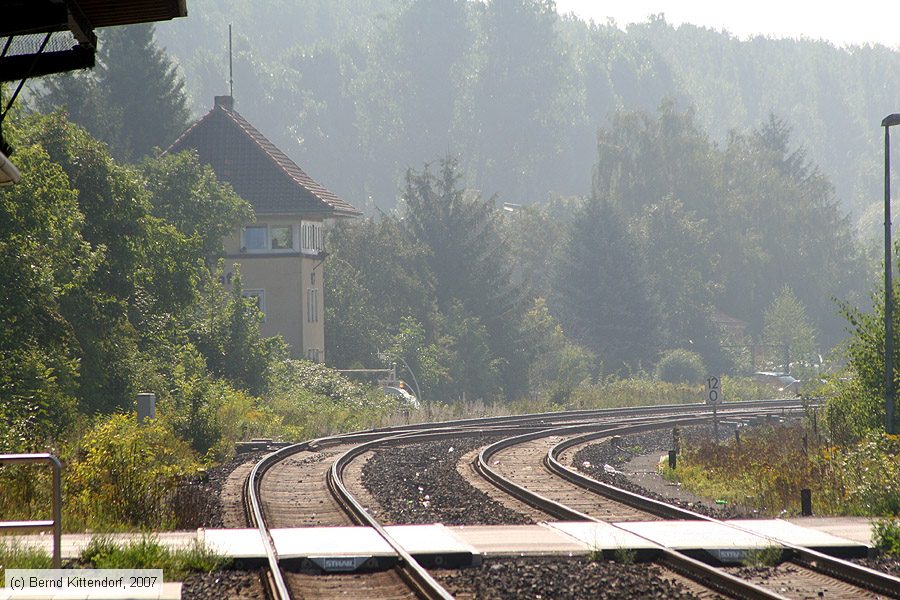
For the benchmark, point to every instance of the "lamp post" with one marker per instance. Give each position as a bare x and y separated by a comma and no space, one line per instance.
887,123
415,382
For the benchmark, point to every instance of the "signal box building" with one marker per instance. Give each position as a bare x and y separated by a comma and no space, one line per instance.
281,254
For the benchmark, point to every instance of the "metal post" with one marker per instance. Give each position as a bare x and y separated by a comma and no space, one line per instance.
888,286
673,459
57,511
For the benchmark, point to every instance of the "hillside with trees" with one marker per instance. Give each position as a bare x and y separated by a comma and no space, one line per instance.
558,215
516,91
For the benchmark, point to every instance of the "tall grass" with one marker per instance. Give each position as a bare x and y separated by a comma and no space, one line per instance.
147,553
15,555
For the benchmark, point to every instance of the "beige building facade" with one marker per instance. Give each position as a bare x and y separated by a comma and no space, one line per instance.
281,256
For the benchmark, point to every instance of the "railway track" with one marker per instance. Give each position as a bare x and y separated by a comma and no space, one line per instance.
302,485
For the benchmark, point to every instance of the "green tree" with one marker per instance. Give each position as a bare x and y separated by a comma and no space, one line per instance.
43,260
376,278
134,100
470,263
602,295
786,324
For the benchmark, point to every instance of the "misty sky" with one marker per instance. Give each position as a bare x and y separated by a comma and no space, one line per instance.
842,23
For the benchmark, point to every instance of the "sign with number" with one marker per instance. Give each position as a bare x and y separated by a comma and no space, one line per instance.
713,390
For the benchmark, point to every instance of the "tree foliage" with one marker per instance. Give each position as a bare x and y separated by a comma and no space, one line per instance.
133,100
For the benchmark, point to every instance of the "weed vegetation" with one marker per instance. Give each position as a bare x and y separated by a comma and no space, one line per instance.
769,466
15,555
147,553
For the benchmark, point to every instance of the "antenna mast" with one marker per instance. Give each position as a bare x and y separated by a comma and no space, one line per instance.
230,67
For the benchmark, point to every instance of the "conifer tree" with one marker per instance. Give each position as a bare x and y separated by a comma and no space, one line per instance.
133,100
603,298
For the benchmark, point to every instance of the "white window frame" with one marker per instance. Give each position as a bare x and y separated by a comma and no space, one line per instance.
311,237
268,249
312,305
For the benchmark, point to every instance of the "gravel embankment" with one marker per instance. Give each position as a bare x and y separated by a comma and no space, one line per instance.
419,484
198,500
560,579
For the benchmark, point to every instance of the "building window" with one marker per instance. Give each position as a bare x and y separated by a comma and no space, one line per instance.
312,305
258,296
267,238
313,354
311,241
282,237
253,238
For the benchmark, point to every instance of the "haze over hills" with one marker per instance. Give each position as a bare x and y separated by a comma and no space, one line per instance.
359,91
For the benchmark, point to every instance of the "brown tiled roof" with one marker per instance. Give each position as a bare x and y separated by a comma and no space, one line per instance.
258,171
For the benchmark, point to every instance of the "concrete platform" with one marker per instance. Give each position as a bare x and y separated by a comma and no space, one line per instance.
240,544
170,591
807,537
434,545
74,543
858,529
731,541
607,538
519,540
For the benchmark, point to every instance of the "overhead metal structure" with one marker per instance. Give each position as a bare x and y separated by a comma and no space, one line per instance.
42,37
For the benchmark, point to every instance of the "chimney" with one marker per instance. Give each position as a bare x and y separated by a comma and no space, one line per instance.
226,102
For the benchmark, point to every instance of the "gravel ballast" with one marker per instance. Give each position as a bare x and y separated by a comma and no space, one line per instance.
560,579
419,484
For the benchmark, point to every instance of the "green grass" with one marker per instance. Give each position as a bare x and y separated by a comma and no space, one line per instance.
14,555
147,553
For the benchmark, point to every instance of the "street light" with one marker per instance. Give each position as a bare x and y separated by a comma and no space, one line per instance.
416,383
386,356
887,123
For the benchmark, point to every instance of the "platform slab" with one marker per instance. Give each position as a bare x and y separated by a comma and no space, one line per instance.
857,529
602,536
235,543
306,542
795,534
519,540
696,535
428,539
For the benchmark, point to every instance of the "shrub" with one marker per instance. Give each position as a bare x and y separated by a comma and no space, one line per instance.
123,473
886,536
681,366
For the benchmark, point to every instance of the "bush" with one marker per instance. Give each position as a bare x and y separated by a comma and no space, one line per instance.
312,400
886,536
123,473
681,366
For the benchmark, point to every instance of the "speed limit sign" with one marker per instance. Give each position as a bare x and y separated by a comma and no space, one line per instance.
713,390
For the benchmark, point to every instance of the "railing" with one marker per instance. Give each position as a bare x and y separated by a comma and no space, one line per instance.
55,524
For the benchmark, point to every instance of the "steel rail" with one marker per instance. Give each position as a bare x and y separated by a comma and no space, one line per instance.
707,575
814,560
478,426
416,576
277,588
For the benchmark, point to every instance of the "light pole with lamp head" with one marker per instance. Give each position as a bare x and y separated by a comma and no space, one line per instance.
888,122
